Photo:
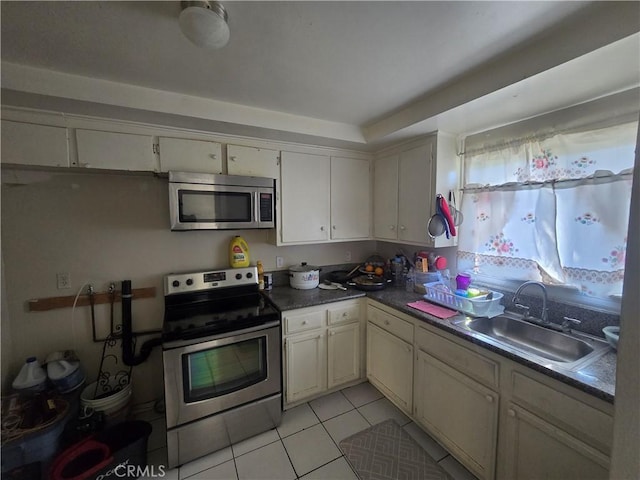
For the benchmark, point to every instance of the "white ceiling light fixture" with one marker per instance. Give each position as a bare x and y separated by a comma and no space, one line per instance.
205,24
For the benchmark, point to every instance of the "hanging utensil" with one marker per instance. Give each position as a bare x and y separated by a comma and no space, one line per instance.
436,225
455,213
444,209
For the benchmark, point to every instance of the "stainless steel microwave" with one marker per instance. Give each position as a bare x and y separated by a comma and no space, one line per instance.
202,201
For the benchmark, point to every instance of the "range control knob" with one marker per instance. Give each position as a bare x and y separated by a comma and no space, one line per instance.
175,284
189,281
249,275
238,276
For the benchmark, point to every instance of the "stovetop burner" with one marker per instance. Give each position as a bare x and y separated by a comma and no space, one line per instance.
202,304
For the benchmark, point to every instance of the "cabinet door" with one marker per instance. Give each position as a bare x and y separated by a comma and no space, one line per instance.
254,162
414,194
350,198
459,412
29,144
343,349
115,151
304,202
385,198
536,449
306,359
390,365
184,155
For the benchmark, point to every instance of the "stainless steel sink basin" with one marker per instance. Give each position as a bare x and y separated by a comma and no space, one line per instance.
565,350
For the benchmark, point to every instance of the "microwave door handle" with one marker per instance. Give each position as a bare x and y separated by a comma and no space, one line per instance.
256,207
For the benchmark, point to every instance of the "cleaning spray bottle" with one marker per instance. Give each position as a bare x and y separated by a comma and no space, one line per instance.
238,252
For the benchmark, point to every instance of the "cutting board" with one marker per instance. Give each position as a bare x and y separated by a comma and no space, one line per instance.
431,309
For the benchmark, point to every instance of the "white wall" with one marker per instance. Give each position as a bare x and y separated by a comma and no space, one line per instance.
102,228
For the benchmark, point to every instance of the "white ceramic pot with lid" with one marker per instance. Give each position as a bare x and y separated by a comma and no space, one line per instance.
304,277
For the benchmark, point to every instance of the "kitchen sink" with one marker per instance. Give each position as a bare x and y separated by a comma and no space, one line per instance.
564,350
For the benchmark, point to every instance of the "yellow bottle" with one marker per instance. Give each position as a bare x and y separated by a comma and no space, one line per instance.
238,252
260,275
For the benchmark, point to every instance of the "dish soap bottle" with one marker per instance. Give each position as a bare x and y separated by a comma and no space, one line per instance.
260,275
238,252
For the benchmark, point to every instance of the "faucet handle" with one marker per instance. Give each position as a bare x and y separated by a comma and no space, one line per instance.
522,307
566,323
568,320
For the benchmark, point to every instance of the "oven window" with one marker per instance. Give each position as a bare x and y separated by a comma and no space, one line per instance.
197,206
226,369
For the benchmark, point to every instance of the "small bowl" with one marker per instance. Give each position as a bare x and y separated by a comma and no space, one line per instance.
611,334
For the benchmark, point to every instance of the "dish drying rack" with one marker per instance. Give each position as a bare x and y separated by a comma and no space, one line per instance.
440,293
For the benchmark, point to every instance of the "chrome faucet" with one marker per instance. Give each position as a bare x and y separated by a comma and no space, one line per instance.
543,316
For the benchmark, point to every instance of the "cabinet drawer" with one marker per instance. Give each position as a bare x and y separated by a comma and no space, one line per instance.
300,322
478,367
344,313
579,419
394,325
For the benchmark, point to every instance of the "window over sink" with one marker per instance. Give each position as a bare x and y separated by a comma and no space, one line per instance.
551,206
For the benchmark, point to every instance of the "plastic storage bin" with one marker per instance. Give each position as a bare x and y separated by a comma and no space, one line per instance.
117,452
439,293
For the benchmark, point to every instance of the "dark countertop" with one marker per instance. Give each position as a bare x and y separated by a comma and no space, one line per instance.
597,378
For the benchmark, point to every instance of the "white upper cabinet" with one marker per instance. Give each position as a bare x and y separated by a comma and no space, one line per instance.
350,198
385,198
323,198
406,183
115,151
182,155
414,194
252,161
30,144
304,200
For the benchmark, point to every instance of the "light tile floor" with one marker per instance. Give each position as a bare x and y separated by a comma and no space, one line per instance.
305,445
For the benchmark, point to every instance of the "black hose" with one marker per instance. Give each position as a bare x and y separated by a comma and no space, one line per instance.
128,353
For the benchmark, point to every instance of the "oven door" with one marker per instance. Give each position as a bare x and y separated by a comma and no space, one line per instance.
221,372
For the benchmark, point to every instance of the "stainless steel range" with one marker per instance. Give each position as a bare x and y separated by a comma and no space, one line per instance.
222,360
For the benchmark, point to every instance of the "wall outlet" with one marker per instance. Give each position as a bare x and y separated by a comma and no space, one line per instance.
347,256
279,262
64,280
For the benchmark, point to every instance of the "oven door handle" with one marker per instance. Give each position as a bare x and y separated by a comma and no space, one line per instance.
199,340
262,326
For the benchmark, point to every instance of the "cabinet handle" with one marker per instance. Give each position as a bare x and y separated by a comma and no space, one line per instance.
402,227
392,227
408,348
322,228
304,322
232,158
214,156
334,227
332,333
511,412
386,322
489,398
344,314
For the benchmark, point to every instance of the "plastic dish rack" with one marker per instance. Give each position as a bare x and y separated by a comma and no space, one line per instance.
436,292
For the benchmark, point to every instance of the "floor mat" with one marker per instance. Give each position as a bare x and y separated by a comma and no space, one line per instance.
386,452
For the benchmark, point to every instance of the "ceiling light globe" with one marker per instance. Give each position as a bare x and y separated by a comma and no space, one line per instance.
207,28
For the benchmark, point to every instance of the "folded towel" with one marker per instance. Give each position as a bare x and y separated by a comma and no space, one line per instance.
432,309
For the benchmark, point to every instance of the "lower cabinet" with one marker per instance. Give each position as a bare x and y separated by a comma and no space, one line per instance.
500,419
306,365
537,449
460,412
322,348
343,354
390,356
